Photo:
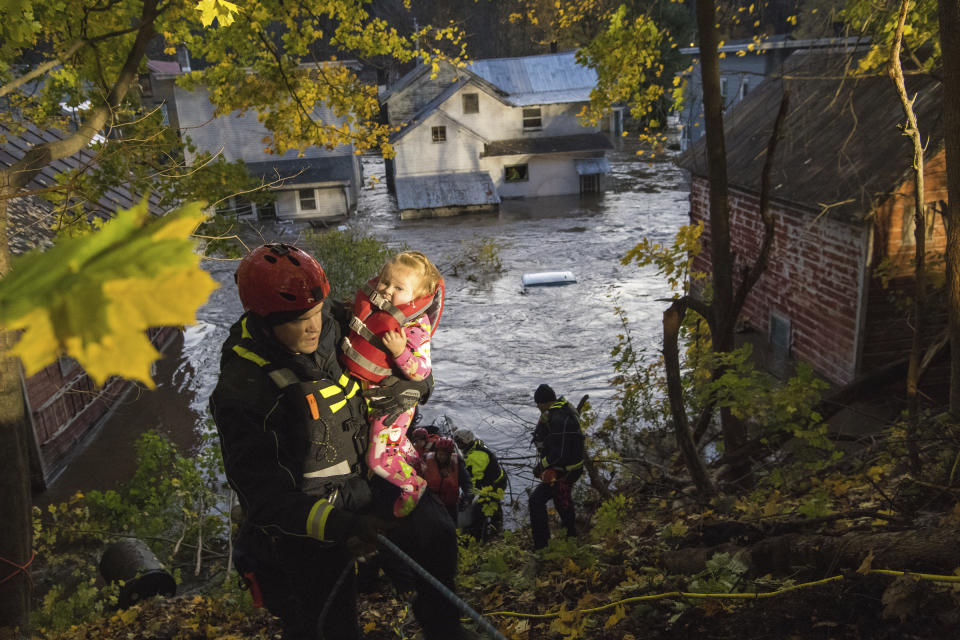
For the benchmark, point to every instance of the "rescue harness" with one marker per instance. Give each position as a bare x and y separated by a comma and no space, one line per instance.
362,351
336,448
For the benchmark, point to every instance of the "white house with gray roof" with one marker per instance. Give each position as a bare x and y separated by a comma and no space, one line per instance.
315,185
500,128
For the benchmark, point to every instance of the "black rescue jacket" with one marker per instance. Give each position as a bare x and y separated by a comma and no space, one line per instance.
558,438
264,425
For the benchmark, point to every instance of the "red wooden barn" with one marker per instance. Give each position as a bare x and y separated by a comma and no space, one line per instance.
842,199
65,407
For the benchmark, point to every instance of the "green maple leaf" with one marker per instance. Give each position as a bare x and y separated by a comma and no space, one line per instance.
93,297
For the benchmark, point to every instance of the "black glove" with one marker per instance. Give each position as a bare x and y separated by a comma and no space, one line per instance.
362,540
393,396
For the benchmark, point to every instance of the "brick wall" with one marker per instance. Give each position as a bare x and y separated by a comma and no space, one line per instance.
813,277
66,406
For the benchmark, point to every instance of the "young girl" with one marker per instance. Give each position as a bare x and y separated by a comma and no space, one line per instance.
394,317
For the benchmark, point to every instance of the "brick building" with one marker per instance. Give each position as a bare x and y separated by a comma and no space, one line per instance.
65,407
842,201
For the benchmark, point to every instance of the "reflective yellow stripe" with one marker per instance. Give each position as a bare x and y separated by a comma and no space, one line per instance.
344,382
337,406
326,392
244,332
316,522
250,355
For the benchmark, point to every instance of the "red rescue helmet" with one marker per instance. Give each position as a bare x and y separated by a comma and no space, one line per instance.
418,433
445,444
279,277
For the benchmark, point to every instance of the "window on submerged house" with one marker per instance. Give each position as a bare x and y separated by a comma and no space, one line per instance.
516,173
439,134
744,88
532,120
308,199
471,103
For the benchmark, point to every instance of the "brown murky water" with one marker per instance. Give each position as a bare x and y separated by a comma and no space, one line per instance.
496,342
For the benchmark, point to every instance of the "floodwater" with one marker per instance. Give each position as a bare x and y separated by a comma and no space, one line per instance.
495,343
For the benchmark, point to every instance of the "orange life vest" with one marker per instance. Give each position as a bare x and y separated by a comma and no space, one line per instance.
362,351
447,487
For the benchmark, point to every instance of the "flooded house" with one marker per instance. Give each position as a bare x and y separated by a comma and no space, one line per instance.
65,408
842,200
498,128
315,184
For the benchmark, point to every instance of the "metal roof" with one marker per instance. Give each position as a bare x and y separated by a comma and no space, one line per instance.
302,171
32,219
446,190
841,149
552,78
239,136
553,144
591,166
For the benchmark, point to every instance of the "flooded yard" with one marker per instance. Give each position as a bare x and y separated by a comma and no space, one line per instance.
496,341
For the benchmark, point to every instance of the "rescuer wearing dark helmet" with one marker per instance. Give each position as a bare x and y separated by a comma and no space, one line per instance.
282,398
559,442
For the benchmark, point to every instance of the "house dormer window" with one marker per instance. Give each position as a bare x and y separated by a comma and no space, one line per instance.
308,199
532,120
471,103
439,134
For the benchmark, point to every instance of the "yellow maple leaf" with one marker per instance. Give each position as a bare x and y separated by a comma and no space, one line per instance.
220,10
93,297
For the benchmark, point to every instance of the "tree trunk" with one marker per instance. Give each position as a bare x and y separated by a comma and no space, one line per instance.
672,319
723,316
16,540
911,130
949,14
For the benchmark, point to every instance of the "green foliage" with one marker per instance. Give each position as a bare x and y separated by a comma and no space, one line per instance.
610,517
489,498
674,262
561,550
173,502
921,36
92,297
477,260
499,562
169,494
626,56
349,258
724,574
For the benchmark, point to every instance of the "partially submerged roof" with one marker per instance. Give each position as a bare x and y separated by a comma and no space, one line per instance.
552,78
553,144
238,136
842,150
446,190
301,171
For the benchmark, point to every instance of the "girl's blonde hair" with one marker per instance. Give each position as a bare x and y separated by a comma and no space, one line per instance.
427,273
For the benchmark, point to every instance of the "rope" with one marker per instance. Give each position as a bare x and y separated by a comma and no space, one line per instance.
18,569
330,598
736,596
436,584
